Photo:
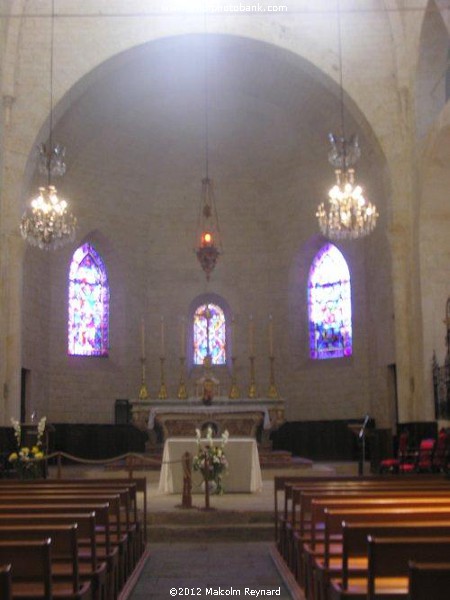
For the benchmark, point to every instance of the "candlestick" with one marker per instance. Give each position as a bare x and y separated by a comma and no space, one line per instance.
272,392
183,337
270,335
143,392
234,393
162,337
142,338
252,393
162,389
251,335
182,392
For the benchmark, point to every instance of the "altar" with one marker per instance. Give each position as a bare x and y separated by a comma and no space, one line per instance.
243,475
180,418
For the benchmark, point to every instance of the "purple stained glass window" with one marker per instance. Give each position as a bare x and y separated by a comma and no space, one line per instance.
88,323
330,305
209,324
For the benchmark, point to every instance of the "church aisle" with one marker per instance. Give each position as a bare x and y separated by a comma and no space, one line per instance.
213,569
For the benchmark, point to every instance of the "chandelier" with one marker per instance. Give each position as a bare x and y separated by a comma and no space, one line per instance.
47,223
347,215
208,244
208,249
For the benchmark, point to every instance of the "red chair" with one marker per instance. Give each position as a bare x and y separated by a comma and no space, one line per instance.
423,459
391,465
440,456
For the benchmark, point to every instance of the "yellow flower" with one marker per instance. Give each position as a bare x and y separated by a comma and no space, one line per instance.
13,457
35,450
24,451
39,455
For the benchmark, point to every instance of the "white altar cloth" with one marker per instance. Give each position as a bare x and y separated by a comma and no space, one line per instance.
208,411
243,475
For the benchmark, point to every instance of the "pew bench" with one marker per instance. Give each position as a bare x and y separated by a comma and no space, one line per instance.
388,563
429,580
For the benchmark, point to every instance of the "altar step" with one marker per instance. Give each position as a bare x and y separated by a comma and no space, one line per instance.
218,525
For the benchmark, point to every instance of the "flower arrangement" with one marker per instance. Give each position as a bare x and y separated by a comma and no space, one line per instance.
210,459
27,460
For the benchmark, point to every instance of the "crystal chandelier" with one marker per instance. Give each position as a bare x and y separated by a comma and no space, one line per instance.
208,244
347,215
47,223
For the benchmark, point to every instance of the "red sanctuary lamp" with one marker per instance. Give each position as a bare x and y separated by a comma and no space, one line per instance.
208,251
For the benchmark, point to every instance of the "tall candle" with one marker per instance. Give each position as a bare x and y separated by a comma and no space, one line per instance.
251,335
270,335
162,337
142,338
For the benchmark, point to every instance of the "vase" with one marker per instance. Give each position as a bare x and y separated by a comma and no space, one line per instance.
212,486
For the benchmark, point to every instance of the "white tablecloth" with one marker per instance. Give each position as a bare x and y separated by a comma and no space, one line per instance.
243,475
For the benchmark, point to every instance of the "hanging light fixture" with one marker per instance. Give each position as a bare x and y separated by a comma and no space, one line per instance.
347,214
47,223
208,243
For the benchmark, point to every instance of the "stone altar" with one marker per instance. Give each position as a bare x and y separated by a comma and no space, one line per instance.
180,418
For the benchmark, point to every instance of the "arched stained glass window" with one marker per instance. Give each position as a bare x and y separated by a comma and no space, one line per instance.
209,334
330,305
88,322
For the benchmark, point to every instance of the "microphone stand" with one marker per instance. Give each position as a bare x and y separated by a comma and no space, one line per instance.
362,437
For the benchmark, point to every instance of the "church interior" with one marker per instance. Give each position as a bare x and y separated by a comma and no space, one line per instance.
256,235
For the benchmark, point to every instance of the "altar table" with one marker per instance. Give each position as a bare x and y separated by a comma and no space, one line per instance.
243,475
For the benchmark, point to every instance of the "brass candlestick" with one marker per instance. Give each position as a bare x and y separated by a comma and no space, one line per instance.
252,387
182,392
273,392
143,392
234,390
162,389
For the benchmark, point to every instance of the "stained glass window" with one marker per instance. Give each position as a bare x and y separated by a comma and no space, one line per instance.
209,325
330,305
88,323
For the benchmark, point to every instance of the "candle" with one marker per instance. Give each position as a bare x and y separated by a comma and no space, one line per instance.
162,337
142,338
183,337
251,335
270,335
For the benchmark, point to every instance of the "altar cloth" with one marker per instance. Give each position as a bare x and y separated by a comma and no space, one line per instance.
243,475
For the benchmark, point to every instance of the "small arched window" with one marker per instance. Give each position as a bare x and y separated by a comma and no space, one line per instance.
209,334
330,305
88,319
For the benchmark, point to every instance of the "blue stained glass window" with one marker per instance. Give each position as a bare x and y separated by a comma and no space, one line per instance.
88,322
209,324
330,305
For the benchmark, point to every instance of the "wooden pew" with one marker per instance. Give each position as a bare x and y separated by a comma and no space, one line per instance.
321,517
30,568
5,582
429,580
388,562
297,522
66,581
306,544
352,561
106,551
85,522
113,535
127,491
